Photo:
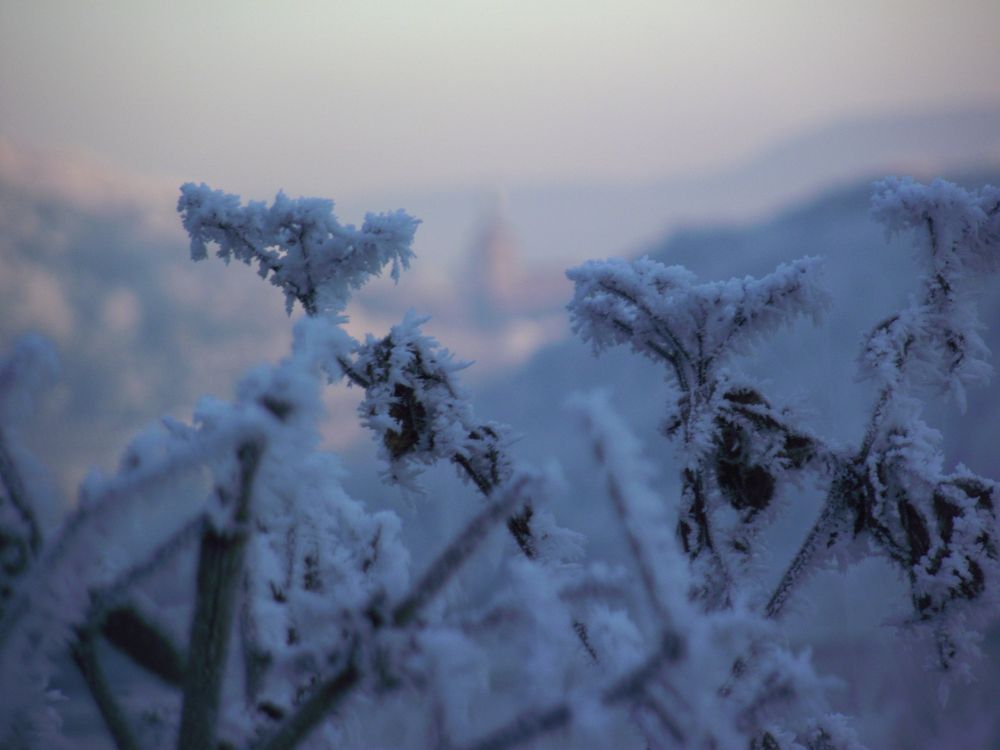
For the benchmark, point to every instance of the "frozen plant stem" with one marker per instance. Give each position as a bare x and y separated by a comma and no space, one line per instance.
104,600
456,553
322,699
85,655
819,536
220,567
617,495
16,491
532,724
845,491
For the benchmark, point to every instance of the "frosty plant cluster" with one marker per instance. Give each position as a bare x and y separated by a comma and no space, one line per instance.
306,625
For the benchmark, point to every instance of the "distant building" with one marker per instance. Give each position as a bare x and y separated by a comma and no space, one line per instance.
499,287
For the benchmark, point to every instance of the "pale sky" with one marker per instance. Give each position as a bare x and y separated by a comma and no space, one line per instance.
360,96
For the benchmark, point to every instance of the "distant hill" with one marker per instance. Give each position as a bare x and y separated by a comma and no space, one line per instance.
569,223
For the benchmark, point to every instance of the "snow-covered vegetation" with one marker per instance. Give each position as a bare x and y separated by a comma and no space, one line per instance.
304,622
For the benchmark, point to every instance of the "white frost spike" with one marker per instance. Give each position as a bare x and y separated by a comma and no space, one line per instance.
662,313
648,530
963,225
935,342
298,244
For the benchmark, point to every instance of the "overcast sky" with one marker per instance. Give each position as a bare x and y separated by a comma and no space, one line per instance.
346,96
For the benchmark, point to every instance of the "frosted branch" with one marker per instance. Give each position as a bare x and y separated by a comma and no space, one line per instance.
320,701
935,342
660,312
461,548
298,244
639,510
418,413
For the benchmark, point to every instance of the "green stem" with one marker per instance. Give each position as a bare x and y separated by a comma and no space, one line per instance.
220,567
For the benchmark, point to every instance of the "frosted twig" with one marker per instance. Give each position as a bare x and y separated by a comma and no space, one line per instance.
317,705
531,724
822,534
620,503
85,656
455,554
17,493
298,244
106,598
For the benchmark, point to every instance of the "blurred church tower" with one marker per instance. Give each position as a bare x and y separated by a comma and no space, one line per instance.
494,271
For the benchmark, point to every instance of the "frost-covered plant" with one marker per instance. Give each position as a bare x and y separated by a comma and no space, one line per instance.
298,244
306,626
892,491
417,410
734,445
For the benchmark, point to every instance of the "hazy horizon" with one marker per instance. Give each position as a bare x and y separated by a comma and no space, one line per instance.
357,98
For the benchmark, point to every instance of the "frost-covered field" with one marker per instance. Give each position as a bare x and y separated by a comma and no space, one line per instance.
142,337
